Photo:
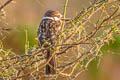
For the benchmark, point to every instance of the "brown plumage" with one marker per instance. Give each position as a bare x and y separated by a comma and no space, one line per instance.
47,34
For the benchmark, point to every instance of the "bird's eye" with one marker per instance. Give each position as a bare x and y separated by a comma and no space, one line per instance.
59,16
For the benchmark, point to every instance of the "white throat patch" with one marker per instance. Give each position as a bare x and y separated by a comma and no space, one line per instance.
52,18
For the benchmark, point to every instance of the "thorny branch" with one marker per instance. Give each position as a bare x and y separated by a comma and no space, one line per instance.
89,39
5,4
1,8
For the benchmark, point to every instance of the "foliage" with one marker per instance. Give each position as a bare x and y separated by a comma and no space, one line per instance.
77,48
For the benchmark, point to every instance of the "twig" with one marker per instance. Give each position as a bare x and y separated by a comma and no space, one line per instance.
77,59
97,28
64,13
5,4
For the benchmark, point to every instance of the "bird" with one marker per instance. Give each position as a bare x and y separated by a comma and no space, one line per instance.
48,33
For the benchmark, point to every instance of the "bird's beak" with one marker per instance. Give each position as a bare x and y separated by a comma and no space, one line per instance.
66,19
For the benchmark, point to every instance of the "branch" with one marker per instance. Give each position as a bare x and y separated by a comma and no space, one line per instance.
78,59
5,4
90,35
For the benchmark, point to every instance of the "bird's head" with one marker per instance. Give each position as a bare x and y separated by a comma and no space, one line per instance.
54,15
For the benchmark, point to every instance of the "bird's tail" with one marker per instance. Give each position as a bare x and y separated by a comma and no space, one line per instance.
50,67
